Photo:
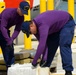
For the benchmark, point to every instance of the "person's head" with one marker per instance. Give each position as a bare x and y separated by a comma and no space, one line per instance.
29,27
23,8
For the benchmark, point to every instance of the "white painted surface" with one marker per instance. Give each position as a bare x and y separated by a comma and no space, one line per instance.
1,0
36,2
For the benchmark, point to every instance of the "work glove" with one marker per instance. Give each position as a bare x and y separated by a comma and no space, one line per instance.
43,63
34,66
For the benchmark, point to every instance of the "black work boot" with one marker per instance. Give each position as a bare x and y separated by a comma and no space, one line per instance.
68,73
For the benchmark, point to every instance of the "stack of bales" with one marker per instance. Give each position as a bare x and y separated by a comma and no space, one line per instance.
24,56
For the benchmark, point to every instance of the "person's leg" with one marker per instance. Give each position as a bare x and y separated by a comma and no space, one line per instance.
7,54
66,36
52,43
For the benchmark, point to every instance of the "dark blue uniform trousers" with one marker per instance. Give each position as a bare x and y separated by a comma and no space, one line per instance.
7,53
63,39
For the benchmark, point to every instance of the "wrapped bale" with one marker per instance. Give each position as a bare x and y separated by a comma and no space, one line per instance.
18,69
2,64
28,60
31,52
21,55
3,73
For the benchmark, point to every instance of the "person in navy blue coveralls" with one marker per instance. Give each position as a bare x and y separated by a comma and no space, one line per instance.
8,18
52,29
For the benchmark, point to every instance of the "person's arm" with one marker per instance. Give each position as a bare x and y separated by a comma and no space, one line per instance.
43,31
44,55
16,31
3,27
17,28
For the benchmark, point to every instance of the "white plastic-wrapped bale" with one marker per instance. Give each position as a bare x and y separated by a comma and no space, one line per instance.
18,69
26,69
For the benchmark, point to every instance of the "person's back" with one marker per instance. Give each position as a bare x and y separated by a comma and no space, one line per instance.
54,19
11,16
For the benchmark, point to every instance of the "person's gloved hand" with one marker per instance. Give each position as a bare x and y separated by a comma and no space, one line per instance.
34,66
43,63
